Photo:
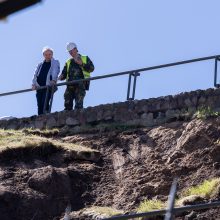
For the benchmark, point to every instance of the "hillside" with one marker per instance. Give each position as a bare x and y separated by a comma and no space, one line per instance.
112,169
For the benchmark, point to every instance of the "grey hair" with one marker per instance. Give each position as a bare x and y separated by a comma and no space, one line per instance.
46,48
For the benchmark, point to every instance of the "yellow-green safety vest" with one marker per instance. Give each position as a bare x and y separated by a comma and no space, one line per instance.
84,61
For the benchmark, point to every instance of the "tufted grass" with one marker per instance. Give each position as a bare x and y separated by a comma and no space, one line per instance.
42,133
206,112
150,205
11,139
107,211
207,189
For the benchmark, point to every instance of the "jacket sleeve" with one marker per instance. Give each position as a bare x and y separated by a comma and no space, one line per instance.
64,72
89,67
34,79
56,70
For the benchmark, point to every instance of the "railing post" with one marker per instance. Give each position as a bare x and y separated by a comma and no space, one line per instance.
135,75
129,86
171,202
216,73
134,85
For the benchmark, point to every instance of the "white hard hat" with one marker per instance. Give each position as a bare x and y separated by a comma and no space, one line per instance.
46,49
70,46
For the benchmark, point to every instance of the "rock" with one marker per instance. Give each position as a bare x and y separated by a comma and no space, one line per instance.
95,213
175,155
148,119
50,181
6,194
51,122
190,216
191,200
39,124
151,112
215,153
188,102
172,114
7,118
72,121
89,155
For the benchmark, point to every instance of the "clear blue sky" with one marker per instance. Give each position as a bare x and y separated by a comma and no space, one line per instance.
118,35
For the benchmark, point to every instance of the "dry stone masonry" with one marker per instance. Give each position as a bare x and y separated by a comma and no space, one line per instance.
149,112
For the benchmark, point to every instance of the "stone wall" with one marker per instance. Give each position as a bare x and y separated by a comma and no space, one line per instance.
149,112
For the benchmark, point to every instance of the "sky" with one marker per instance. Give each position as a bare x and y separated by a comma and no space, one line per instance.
117,35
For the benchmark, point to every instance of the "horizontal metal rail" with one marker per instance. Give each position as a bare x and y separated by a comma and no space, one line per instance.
178,210
118,74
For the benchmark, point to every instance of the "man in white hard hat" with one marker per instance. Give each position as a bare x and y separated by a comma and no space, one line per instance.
76,68
46,73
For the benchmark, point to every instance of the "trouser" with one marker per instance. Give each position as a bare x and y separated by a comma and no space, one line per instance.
87,85
41,98
74,93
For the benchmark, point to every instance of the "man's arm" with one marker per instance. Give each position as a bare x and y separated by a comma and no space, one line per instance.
56,70
63,75
34,79
89,67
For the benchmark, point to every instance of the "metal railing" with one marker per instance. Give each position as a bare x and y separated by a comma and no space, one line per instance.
176,211
132,74
171,211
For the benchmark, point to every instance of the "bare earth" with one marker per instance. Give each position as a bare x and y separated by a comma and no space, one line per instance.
135,164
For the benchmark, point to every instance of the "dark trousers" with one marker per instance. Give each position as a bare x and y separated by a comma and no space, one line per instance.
41,97
77,93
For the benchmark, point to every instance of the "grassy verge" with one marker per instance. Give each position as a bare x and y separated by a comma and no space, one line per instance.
104,211
11,139
150,205
206,190
206,112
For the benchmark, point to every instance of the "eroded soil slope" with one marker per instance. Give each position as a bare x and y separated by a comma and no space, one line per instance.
135,165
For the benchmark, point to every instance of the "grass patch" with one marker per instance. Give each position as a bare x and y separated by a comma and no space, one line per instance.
42,133
11,139
150,205
207,189
206,112
106,211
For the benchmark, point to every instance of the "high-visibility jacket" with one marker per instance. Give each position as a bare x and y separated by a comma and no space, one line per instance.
84,61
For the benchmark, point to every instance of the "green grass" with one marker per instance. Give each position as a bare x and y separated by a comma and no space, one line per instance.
150,205
11,139
206,112
43,133
207,189
107,211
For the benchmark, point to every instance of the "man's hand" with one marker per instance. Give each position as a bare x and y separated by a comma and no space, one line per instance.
60,77
34,87
52,82
78,61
